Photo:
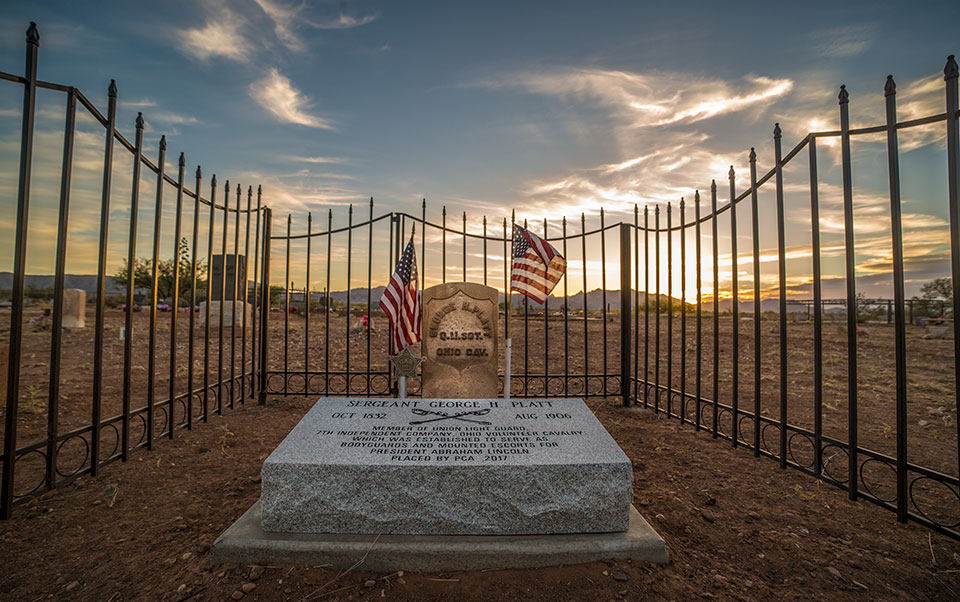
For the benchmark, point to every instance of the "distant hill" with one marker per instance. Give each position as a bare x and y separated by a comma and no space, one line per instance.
86,282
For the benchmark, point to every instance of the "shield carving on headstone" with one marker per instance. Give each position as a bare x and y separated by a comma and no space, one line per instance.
460,341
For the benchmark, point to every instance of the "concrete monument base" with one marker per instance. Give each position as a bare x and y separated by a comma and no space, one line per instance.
245,542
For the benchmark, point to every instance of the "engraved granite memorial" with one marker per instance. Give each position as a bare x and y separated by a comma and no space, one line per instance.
460,341
447,467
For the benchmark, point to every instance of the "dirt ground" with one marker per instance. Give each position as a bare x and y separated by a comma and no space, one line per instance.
738,528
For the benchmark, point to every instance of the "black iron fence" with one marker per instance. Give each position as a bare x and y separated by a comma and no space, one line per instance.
816,395
133,391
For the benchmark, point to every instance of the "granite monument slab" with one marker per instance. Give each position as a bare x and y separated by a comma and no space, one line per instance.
460,346
74,308
447,467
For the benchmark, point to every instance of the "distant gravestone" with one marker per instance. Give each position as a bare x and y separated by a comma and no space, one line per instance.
460,341
74,308
217,275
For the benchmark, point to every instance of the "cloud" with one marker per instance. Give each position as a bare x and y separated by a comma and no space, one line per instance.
323,160
846,41
287,18
649,99
276,94
219,37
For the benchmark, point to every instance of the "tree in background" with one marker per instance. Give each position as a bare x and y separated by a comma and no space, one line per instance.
143,275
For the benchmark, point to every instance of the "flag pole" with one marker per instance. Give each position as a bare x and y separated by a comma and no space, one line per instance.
509,308
402,388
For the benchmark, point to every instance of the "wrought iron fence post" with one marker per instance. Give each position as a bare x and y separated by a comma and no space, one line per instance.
625,286
152,358
950,73
265,305
851,282
19,273
131,277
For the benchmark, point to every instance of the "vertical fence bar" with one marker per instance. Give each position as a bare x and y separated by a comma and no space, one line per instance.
757,343
209,296
625,285
265,304
286,311
19,273
233,300
603,295
443,255
326,330
850,255
699,372
369,293
56,332
683,315
464,246
735,268
174,314
636,301
896,228
566,313
950,73
586,328
716,309
151,358
349,296
131,276
254,384
669,309
646,304
223,294
526,339
782,278
656,299
246,298
423,245
817,311
306,315
484,250
546,332
193,292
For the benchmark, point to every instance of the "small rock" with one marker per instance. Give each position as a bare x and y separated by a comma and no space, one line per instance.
708,516
236,595
401,581
833,571
248,587
256,571
619,576
923,423
72,586
369,583
605,573
182,587
186,556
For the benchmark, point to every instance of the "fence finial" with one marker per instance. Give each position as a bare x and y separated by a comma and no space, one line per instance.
713,185
696,196
33,35
181,161
423,203
238,191
776,130
951,70
163,142
844,96
889,88
681,203
139,121
753,157
259,188
213,180
731,173
371,201
199,173
112,89
656,209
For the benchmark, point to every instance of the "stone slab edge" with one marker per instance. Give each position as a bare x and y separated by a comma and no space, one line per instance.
245,542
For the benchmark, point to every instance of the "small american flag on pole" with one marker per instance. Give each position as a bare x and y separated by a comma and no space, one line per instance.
537,267
401,300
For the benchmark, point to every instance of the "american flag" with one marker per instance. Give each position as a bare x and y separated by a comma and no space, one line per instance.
401,300
537,267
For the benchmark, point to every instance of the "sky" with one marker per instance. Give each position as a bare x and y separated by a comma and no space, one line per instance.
551,109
